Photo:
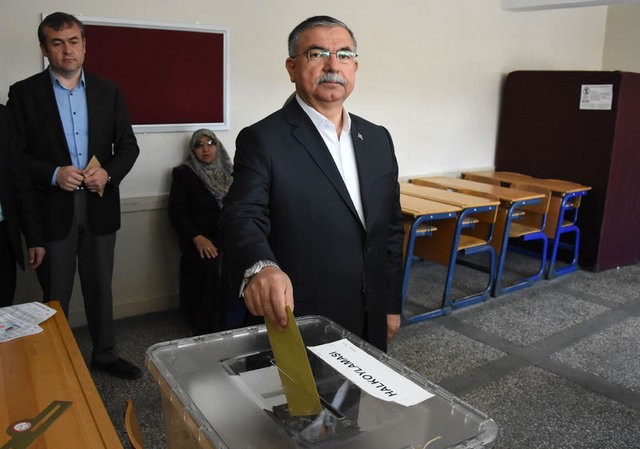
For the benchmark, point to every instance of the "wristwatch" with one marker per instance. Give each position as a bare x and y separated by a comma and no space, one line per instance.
252,271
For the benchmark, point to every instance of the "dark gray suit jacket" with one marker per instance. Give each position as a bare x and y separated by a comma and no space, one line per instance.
288,203
16,195
40,130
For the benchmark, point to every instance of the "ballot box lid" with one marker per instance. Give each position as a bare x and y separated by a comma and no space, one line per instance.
226,390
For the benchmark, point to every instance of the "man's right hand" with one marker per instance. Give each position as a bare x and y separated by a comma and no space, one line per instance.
268,294
69,178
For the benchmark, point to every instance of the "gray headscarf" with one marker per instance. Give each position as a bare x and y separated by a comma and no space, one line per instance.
216,176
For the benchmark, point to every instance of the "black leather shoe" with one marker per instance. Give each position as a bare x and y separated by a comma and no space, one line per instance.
119,368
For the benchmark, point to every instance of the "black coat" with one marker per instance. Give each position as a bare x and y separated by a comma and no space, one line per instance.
192,209
111,140
288,203
16,195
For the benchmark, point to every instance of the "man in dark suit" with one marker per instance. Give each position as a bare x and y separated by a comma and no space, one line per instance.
17,211
313,213
77,136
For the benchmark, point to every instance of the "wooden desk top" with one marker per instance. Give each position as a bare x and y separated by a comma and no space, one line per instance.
445,196
417,207
559,187
503,193
39,369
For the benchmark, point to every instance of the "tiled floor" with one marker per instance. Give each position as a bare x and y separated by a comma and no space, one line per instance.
556,365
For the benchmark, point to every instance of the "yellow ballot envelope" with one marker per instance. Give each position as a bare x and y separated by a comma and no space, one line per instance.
94,162
294,368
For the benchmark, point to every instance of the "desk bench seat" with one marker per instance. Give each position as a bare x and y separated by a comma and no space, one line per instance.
566,197
463,224
469,241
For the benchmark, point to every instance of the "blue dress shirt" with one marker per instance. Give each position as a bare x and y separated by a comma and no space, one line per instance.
72,106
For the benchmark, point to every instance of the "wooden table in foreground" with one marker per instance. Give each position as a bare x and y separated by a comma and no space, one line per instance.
46,371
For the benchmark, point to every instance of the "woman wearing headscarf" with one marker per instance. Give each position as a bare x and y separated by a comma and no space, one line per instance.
198,188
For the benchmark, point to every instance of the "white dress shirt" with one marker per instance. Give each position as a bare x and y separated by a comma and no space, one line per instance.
341,149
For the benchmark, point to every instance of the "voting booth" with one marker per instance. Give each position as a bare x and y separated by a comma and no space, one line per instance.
224,391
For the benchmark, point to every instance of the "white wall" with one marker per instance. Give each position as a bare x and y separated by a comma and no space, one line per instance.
622,41
430,71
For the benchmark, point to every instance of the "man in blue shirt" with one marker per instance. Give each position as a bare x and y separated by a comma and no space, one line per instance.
77,136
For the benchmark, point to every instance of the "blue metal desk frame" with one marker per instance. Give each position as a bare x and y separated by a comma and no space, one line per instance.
506,179
566,207
469,186
498,289
447,303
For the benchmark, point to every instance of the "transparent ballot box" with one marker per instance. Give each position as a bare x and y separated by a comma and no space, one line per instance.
223,391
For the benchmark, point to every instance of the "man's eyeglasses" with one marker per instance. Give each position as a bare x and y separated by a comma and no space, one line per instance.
200,144
320,55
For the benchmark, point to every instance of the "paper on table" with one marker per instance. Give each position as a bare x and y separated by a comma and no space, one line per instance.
23,319
94,162
294,368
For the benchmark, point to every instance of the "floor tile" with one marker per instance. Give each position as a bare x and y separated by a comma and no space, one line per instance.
618,345
437,352
531,315
616,285
537,409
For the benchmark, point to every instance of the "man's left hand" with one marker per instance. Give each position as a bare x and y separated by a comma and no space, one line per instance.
393,324
95,179
36,254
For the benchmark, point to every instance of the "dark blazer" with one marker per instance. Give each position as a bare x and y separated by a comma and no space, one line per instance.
193,209
288,203
16,195
111,140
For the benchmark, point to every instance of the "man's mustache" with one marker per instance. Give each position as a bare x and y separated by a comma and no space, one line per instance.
331,78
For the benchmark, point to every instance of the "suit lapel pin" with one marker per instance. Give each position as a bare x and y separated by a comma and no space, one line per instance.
360,137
